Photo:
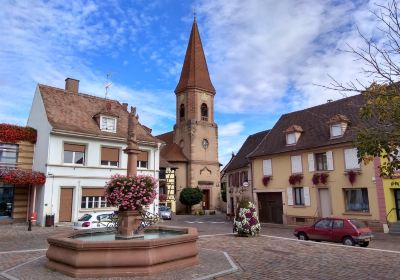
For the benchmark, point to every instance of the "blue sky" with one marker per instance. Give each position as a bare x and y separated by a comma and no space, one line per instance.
265,57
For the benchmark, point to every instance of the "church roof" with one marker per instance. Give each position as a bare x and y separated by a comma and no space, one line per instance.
194,71
171,151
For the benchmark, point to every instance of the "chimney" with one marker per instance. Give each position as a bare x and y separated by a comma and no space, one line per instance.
72,85
125,105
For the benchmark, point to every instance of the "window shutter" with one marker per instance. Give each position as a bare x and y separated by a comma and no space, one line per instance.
74,148
93,191
350,158
311,165
329,160
289,193
267,168
296,164
307,200
109,154
143,156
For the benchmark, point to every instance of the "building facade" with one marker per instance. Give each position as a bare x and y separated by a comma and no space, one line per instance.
80,145
307,168
238,173
193,144
18,184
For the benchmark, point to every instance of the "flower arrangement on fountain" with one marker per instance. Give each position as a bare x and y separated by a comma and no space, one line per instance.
246,222
130,193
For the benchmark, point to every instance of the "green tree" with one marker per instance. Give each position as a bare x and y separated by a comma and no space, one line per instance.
189,197
379,135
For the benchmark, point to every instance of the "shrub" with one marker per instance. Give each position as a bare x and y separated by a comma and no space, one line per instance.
190,196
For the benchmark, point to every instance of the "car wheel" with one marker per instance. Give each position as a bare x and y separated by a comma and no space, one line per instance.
302,236
364,244
348,241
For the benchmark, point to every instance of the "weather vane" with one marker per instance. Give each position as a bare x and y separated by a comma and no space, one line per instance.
108,83
194,13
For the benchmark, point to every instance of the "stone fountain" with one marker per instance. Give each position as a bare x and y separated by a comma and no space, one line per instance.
131,250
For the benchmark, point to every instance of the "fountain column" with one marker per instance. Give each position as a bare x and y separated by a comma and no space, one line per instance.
129,220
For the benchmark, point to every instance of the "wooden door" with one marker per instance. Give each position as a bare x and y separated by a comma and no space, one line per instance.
206,199
66,196
325,203
270,207
397,200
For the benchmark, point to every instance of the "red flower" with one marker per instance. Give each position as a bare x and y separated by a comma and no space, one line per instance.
266,180
13,133
163,197
352,176
315,179
324,178
22,177
293,179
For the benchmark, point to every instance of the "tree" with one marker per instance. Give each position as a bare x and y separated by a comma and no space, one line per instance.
379,136
189,197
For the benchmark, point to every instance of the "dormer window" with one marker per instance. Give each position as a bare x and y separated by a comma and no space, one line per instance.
293,133
336,130
291,138
338,125
108,124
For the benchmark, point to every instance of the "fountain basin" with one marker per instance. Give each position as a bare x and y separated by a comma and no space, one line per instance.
117,258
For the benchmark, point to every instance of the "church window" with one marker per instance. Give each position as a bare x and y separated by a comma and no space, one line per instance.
204,112
182,111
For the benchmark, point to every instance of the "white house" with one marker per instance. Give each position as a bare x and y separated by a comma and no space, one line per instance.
79,147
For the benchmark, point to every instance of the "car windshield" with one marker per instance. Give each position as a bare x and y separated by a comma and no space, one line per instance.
85,217
164,208
358,224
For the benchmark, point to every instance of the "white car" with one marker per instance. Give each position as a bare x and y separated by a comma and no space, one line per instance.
94,220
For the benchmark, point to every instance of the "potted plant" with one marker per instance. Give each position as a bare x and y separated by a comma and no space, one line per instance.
295,179
315,179
246,221
265,180
324,178
352,175
163,197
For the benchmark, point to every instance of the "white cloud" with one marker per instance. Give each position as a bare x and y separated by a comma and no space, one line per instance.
230,129
266,56
47,41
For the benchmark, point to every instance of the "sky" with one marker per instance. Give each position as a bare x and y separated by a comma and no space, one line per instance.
265,57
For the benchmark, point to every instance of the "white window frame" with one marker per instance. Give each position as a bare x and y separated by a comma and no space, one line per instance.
350,159
106,129
139,162
267,167
335,126
297,165
98,201
73,158
288,137
11,148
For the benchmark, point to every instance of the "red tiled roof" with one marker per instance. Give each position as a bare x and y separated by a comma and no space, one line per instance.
171,151
76,112
194,71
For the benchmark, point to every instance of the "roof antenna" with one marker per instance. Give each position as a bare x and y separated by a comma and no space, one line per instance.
108,83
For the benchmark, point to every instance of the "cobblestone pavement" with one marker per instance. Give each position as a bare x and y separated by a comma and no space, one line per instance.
273,255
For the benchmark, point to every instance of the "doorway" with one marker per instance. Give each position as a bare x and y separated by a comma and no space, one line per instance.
206,200
6,201
325,203
397,200
66,204
270,207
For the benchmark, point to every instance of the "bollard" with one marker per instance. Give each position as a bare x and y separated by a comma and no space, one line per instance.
29,225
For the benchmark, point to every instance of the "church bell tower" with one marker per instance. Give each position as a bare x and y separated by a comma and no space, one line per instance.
195,130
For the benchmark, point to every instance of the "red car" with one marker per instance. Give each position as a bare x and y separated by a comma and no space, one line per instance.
348,232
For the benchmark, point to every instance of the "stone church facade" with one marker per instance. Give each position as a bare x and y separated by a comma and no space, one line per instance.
193,144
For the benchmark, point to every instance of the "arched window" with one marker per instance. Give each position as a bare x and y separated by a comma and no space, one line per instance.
182,111
204,112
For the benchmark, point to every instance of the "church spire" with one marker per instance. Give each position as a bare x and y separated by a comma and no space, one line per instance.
194,71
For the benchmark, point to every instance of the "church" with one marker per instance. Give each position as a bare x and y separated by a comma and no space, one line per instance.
192,146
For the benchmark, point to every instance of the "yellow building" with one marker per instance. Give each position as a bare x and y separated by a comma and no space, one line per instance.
307,168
